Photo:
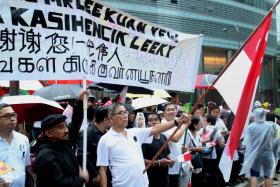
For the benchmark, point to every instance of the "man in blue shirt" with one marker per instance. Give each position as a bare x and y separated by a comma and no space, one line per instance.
14,147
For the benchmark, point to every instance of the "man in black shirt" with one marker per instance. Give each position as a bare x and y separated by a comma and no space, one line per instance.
94,133
56,164
158,173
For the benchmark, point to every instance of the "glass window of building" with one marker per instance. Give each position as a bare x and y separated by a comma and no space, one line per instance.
214,60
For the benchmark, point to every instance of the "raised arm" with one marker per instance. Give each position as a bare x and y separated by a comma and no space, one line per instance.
77,118
184,119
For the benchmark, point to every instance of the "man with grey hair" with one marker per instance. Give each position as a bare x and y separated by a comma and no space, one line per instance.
120,149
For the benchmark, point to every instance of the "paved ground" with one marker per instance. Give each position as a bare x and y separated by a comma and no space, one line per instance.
246,183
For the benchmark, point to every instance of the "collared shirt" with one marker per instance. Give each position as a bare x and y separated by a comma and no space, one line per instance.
16,155
124,156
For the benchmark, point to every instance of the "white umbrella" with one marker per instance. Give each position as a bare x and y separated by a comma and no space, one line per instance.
32,108
161,93
147,101
157,92
24,85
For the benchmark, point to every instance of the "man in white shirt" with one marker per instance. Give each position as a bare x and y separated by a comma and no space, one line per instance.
174,145
120,149
14,147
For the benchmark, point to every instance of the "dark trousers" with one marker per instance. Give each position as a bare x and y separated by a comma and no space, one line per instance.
197,180
210,168
173,180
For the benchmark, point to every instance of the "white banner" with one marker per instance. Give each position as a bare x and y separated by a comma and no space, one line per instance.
60,40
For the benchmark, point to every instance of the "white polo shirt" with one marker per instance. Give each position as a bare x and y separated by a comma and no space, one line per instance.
175,151
124,156
16,155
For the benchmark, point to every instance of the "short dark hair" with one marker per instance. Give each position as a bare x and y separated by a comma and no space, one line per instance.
200,106
4,105
101,114
211,119
214,107
195,121
91,112
166,105
151,113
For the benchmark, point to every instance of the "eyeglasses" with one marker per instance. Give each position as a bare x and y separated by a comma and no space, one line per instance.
9,115
122,113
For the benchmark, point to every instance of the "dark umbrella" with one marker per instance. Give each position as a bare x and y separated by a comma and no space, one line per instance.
59,92
118,88
96,87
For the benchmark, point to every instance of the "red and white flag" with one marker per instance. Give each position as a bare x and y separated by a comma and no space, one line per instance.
238,85
185,157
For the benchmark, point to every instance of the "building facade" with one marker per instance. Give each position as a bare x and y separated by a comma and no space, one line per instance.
225,24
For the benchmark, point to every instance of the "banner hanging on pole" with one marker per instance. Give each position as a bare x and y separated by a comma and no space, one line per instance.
58,40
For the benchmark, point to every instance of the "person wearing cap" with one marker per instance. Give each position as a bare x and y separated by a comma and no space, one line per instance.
120,149
14,147
56,164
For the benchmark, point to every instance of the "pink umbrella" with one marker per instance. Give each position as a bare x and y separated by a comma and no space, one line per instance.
204,81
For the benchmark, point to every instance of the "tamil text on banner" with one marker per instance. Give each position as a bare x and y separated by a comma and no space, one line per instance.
58,40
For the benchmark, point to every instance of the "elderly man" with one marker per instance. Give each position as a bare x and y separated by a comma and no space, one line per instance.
56,164
14,147
120,149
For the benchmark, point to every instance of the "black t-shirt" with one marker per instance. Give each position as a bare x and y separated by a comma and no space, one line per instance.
93,137
158,176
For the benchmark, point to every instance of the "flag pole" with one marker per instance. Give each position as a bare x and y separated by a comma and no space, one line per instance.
85,125
161,149
208,89
185,135
233,58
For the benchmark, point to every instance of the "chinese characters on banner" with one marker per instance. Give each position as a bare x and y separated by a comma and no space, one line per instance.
46,39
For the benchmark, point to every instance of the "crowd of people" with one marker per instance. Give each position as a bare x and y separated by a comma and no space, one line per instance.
122,141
